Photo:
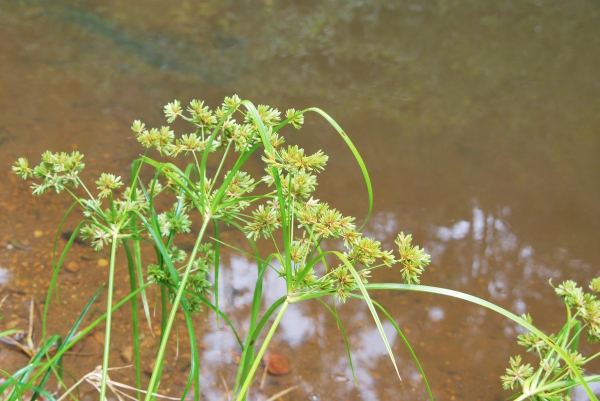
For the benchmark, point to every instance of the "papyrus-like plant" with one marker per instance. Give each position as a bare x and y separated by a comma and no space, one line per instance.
320,253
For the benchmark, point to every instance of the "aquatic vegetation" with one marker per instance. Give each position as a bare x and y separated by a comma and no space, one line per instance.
318,252
554,380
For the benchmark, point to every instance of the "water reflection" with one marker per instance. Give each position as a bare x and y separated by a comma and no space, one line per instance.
5,276
436,313
491,249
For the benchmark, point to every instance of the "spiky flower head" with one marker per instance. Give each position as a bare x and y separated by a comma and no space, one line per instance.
138,127
174,221
579,360
22,168
155,138
202,116
268,116
158,275
366,251
595,284
107,183
293,159
172,110
301,186
176,255
230,102
343,282
57,171
413,259
297,119
573,295
241,183
516,374
265,221
98,236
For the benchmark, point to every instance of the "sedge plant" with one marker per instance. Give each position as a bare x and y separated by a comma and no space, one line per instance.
319,252
553,380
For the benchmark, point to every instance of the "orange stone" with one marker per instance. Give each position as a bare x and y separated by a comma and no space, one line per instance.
277,364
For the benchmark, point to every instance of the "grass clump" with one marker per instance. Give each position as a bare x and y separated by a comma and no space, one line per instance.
319,252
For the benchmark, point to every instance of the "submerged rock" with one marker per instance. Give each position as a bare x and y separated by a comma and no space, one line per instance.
277,364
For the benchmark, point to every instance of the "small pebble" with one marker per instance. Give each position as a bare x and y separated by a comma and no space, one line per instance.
102,262
127,354
147,342
277,364
16,244
72,267
38,233
338,378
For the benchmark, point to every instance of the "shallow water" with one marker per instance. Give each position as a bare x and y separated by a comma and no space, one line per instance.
479,123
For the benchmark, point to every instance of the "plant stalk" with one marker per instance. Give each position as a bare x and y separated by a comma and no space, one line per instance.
111,282
261,352
163,343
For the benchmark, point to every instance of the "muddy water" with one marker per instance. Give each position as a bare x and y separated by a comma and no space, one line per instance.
479,123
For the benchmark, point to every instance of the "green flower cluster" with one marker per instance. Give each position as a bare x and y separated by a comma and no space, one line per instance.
586,306
553,379
57,171
516,374
241,135
413,259
119,213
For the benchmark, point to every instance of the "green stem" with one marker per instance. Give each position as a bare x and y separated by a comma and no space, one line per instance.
560,385
163,342
261,352
216,176
111,282
310,295
134,317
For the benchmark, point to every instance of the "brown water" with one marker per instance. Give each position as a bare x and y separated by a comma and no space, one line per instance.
479,123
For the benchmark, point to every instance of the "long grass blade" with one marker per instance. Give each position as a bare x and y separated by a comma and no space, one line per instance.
67,345
70,335
478,301
406,343
346,342
219,312
351,146
261,352
217,268
10,332
137,254
369,303
134,316
20,388
247,357
194,377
